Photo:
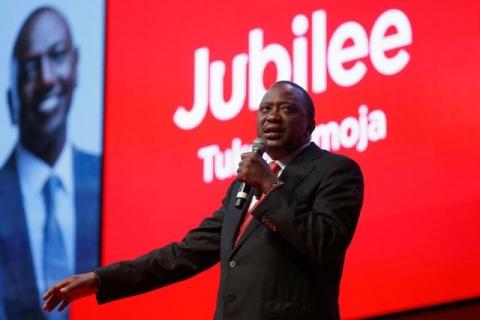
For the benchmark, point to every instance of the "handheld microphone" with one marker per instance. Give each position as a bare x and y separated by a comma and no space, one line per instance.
258,147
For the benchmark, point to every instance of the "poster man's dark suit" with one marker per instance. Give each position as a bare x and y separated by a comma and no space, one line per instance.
19,289
288,262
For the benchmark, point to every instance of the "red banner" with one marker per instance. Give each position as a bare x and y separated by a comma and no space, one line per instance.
395,86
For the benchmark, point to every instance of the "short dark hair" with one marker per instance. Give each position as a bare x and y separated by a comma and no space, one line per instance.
309,105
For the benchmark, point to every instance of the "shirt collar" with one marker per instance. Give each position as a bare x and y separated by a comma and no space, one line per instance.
33,171
284,161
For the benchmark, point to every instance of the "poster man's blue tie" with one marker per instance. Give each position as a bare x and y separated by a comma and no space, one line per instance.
55,264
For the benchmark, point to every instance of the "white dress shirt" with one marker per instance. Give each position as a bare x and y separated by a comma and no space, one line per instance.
33,173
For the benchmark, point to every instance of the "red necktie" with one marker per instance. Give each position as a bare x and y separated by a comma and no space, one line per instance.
248,217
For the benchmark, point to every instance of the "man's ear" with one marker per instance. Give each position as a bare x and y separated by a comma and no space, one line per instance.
12,108
75,63
311,127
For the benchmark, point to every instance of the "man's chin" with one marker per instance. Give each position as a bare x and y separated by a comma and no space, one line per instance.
50,129
273,143
274,146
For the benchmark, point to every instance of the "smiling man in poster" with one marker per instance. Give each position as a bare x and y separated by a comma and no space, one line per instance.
49,188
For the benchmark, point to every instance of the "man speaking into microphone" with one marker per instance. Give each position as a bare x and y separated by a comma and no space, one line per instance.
281,252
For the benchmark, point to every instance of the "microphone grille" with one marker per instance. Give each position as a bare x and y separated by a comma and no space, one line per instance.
258,146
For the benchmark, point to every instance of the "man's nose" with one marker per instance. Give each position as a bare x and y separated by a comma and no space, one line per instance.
273,114
47,74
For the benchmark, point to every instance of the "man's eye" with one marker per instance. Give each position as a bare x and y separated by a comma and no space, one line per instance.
265,108
58,55
29,70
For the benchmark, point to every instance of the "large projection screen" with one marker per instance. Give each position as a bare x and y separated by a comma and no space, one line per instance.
183,83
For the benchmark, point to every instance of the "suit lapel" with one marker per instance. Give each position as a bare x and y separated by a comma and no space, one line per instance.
293,174
251,226
234,218
300,166
20,290
87,211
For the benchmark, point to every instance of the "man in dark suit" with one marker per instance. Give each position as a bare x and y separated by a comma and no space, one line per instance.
282,257
49,190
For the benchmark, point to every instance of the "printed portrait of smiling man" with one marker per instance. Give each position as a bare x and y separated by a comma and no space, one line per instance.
49,189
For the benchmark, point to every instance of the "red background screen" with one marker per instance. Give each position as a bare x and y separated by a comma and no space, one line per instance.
417,239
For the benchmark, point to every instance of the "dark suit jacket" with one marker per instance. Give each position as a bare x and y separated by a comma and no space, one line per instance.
17,278
287,264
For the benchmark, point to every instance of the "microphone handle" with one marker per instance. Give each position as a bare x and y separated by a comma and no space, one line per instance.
242,195
259,148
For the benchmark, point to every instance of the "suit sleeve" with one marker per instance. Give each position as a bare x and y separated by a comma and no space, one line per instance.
321,228
199,250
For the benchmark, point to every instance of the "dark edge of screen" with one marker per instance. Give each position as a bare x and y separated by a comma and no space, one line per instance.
104,122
